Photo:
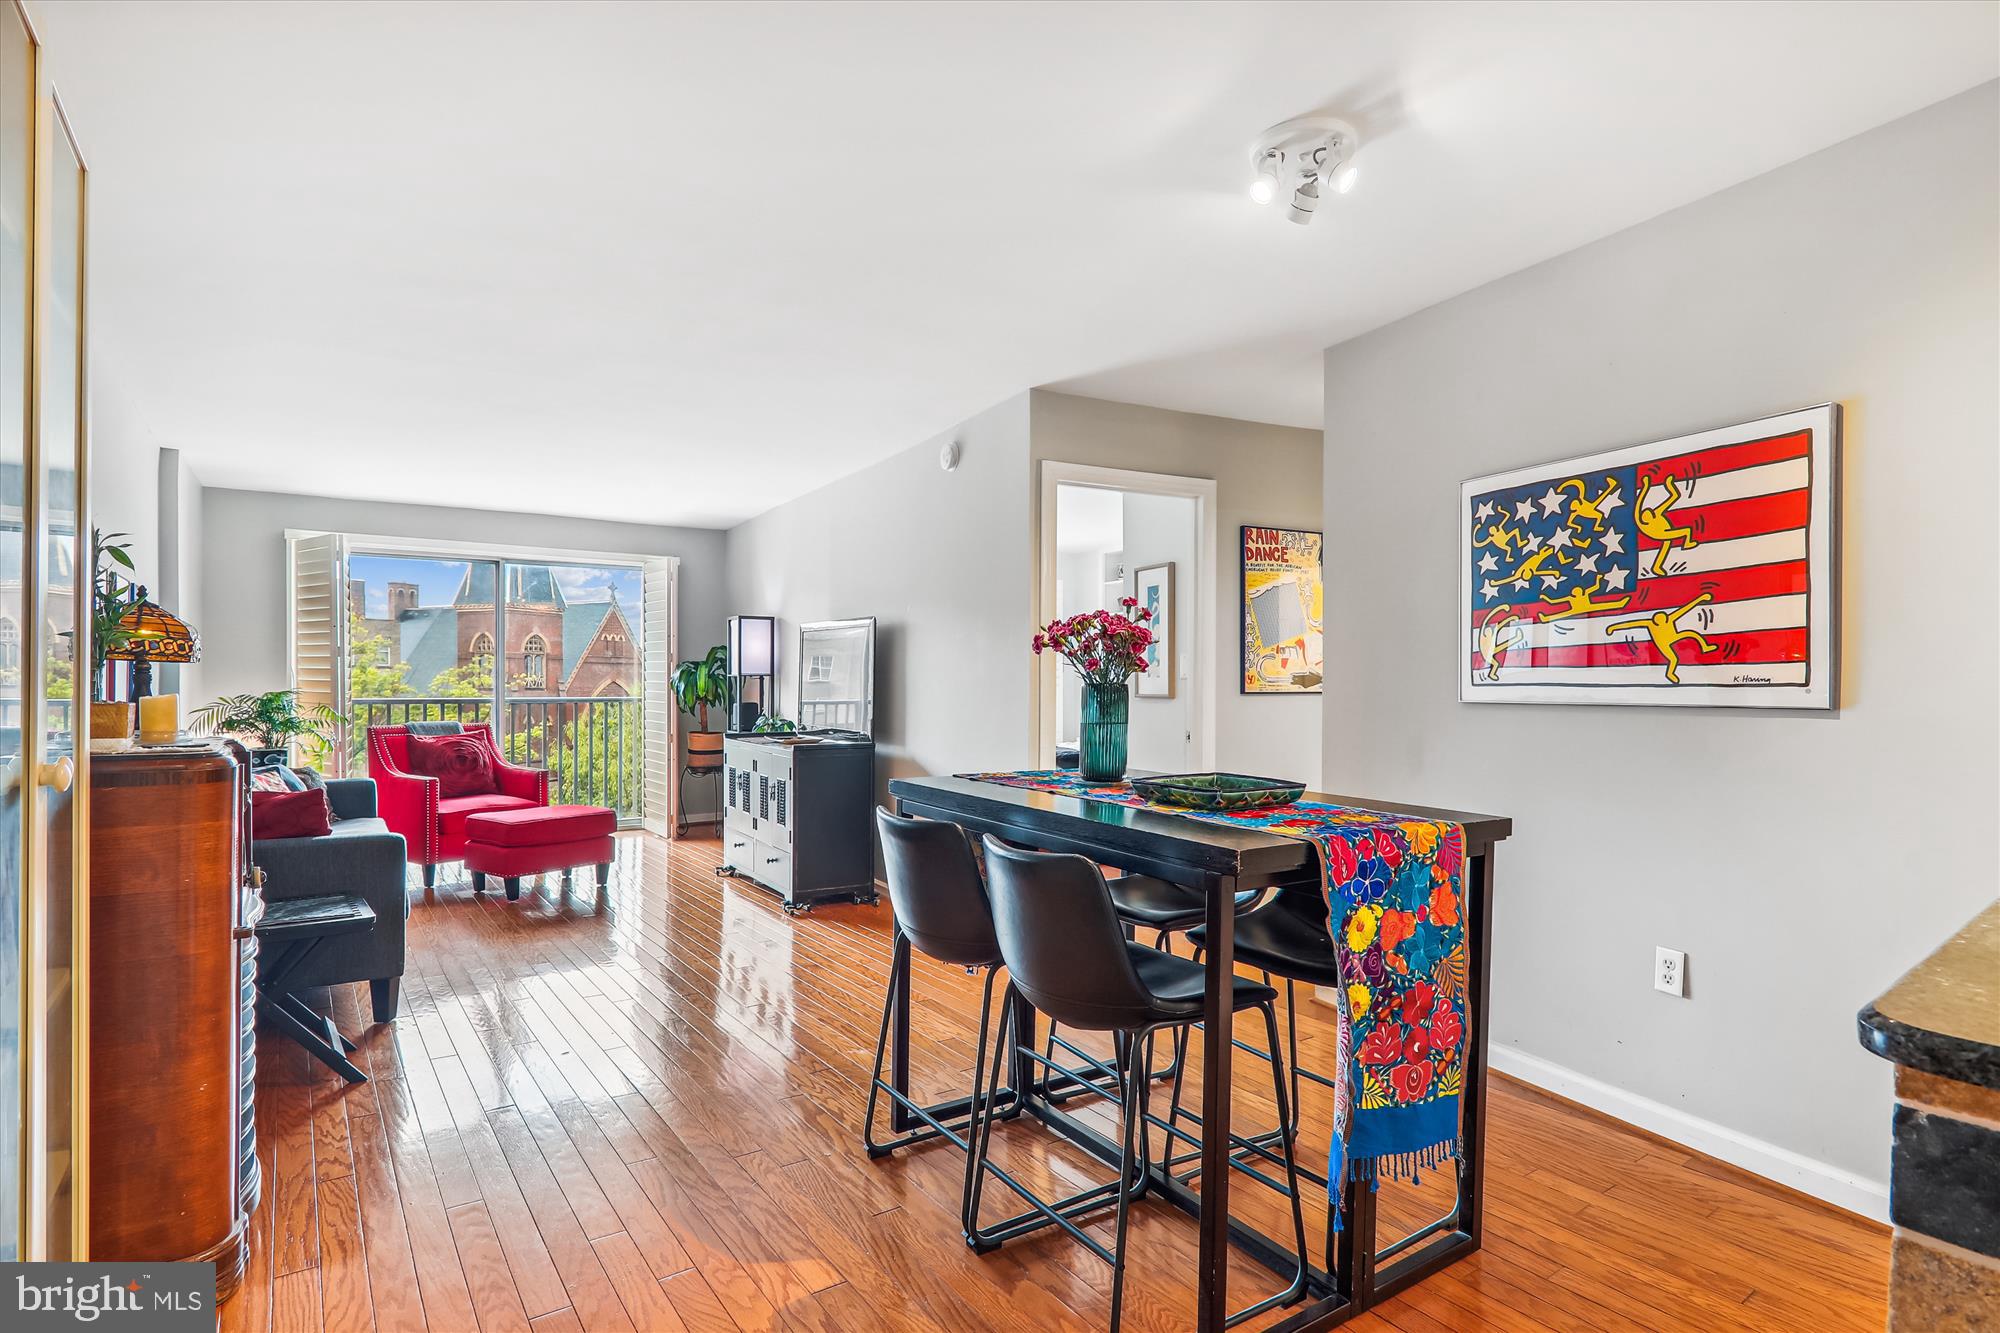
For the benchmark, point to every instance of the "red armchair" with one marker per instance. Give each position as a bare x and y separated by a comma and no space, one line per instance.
434,826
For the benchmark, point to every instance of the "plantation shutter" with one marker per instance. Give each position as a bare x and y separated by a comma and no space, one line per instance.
662,763
318,566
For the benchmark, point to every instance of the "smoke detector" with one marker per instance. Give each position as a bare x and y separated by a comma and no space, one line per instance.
1307,156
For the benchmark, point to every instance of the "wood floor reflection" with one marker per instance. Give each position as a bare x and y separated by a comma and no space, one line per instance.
642,1113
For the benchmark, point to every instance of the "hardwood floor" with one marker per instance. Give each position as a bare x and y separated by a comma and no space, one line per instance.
643,1115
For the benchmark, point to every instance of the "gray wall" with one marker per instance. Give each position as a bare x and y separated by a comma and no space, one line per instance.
125,492
242,572
1802,861
1263,475
939,559
177,580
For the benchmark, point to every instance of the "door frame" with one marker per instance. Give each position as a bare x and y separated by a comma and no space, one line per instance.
1047,678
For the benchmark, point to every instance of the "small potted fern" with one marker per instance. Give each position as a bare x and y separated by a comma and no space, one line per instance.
273,722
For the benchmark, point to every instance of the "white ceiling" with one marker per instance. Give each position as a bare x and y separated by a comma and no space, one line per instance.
679,263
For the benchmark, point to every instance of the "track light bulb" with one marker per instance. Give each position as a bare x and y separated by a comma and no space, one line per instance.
1344,179
1265,188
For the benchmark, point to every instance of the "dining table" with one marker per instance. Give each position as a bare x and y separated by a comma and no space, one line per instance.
1218,861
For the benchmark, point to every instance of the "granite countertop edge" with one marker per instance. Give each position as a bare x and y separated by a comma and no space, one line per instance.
1943,1015
1939,1053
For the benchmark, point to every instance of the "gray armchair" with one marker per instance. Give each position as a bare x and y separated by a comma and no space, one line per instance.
360,856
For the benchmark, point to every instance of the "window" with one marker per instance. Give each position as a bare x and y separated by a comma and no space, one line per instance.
10,645
820,670
481,637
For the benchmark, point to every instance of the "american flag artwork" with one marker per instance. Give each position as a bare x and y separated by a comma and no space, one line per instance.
1697,570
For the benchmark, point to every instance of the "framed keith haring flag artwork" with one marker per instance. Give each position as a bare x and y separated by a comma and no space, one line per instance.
1694,571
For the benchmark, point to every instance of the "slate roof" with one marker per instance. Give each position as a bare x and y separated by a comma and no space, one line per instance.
528,585
429,644
581,621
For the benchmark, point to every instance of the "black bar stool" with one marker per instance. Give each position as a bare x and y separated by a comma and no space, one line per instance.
296,926
940,908
1067,955
1142,903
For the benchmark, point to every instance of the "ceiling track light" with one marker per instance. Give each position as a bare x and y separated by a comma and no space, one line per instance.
1310,156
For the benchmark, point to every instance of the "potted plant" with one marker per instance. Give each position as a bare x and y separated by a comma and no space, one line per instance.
1106,650
112,594
700,684
273,720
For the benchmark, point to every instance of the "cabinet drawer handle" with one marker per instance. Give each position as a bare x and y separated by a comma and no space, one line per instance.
770,860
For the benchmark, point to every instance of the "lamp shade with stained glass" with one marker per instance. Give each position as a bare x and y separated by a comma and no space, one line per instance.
157,636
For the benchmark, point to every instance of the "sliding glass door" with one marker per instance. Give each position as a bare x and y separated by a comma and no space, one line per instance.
570,692
547,653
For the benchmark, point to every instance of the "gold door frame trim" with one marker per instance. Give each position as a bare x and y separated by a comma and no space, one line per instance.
49,119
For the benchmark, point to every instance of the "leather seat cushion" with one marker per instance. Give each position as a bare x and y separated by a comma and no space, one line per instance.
1278,940
1176,983
1146,901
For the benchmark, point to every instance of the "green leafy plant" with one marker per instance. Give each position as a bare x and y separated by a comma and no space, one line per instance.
702,683
274,719
112,595
772,725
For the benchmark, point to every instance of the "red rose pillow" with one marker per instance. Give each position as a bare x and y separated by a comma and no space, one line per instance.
289,814
459,763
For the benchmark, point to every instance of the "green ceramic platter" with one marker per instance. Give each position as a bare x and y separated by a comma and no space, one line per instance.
1218,791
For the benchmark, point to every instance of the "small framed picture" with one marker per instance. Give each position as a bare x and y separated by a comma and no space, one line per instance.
1284,596
1154,587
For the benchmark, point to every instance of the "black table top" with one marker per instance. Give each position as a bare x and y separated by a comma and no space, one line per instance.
1151,840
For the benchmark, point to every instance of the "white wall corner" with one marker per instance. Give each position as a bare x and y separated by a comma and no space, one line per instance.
1842,1189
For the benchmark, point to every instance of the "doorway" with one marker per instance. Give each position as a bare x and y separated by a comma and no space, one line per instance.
1109,534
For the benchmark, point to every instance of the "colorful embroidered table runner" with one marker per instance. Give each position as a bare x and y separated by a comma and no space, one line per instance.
1395,887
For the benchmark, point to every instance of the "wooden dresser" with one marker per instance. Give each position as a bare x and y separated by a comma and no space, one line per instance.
173,965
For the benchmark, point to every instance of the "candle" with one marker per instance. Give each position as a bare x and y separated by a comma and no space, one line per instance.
159,719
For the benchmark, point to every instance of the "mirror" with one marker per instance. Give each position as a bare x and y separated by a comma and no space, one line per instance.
837,675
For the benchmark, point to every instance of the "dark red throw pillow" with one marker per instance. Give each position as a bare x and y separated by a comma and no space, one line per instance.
459,763
289,814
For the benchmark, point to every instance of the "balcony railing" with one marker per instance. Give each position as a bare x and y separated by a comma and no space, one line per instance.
10,716
593,748
842,713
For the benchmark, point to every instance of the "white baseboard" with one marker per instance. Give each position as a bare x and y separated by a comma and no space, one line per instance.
1857,1194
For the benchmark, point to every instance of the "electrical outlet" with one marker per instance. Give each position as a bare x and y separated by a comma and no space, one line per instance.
1670,971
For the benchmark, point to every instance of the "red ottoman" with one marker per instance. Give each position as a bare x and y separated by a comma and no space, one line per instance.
513,843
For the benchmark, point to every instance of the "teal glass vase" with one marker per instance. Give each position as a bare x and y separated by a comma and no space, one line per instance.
1106,710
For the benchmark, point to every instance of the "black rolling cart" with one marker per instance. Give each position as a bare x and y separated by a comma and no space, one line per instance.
797,816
